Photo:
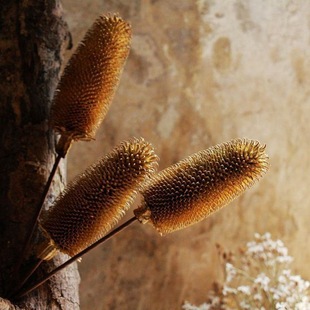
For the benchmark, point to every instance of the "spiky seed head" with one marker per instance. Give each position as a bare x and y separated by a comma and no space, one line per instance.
90,79
96,200
201,184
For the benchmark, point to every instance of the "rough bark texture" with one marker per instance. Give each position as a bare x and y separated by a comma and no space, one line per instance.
32,35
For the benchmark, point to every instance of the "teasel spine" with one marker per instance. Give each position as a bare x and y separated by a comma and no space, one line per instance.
249,154
201,184
90,79
84,94
95,201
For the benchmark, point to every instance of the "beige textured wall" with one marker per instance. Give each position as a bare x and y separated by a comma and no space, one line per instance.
201,73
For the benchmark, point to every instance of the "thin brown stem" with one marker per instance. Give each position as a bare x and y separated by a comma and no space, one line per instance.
62,148
30,273
37,214
74,258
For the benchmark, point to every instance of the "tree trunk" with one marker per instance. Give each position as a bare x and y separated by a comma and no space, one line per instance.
32,35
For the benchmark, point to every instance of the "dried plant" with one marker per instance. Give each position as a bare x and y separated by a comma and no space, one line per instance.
95,201
181,195
257,278
84,94
201,184
90,79
92,204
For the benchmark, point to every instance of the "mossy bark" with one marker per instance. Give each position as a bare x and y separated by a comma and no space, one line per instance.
32,36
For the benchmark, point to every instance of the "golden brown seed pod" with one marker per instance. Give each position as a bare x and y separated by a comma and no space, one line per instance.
90,79
96,200
201,184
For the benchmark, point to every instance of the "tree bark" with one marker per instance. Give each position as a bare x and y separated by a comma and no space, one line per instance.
32,36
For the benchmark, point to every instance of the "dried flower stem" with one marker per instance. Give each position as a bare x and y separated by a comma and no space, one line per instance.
33,224
74,258
25,279
62,148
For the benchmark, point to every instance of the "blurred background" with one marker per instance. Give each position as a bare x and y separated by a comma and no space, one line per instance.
200,73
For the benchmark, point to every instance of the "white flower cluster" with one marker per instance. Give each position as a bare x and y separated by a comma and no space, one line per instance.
268,251
259,280
291,291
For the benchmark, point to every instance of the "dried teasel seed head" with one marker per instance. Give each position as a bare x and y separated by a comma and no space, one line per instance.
96,200
90,79
201,184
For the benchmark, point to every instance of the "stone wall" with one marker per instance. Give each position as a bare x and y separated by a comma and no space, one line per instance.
201,73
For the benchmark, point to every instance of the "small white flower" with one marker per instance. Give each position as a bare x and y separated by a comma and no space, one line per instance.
230,272
245,289
257,236
263,281
267,236
258,297
215,301
229,290
284,259
244,305
303,304
282,306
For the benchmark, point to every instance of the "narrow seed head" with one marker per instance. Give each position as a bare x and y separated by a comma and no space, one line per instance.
201,184
90,79
96,200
